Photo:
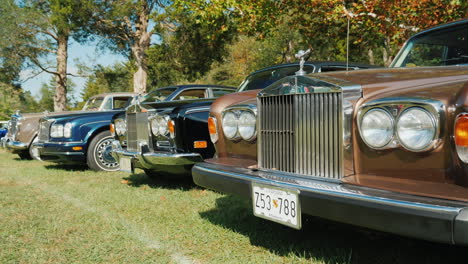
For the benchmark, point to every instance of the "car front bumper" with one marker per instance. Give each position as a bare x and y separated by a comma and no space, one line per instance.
13,146
409,215
60,152
154,160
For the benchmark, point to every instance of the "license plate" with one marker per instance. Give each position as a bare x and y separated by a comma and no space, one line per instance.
277,204
126,165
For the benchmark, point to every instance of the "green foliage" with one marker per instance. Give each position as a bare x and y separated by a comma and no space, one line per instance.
14,98
105,79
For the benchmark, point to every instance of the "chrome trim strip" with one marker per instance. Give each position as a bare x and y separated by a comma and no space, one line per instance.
62,153
195,110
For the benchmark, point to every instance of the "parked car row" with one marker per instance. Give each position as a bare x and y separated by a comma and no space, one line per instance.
385,149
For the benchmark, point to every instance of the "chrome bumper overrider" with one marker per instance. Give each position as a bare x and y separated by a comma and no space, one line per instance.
421,217
149,160
3,142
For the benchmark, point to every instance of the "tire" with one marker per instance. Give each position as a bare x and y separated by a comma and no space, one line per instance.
98,155
24,155
151,174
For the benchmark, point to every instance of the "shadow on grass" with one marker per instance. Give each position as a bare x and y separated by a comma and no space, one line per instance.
66,167
138,180
327,241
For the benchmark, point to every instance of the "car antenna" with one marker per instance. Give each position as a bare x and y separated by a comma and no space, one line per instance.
347,45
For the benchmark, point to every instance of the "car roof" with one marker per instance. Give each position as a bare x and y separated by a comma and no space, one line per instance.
442,26
195,86
114,94
317,64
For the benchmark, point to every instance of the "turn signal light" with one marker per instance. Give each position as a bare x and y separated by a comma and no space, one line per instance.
200,144
112,129
461,131
213,129
461,137
77,148
171,127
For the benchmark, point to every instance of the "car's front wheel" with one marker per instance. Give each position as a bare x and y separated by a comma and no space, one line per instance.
99,156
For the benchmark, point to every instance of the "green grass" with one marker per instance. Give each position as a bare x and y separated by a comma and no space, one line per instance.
54,214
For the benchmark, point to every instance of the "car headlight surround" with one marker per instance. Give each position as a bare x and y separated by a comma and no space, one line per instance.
247,125
230,125
67,130
154,124
416,129
120,127
56,131
377,128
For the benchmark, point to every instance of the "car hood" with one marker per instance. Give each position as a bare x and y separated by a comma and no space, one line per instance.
380,81
81,114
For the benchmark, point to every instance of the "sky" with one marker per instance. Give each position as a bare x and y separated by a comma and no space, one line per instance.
86,54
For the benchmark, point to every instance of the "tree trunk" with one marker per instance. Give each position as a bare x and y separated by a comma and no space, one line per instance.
140,46
60,98
370,53
140,77
386,51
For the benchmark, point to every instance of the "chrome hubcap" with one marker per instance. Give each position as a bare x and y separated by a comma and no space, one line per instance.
103,154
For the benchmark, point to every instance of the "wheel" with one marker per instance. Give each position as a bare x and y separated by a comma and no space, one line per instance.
24,155
98,155
151,174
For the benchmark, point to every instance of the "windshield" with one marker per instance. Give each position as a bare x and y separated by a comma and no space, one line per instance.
260,80
93,103
158,95
447,46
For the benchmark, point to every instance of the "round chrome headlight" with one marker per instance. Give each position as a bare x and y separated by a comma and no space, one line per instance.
416,129
163,128
229,123
247,125
120,127
155,126
377,128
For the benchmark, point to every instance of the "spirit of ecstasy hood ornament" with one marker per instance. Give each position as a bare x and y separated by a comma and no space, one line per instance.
302,55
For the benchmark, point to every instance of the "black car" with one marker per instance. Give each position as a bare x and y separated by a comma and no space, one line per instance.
169,138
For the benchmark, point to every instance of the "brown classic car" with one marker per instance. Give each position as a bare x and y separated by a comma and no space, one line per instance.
385,149
23,128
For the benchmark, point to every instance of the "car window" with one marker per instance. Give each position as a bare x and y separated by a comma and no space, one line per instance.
262,79
220,92
121,102
191,94
93,103
107,104
158,95
439,48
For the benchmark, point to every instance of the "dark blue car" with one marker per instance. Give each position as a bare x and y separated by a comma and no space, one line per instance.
3,128
85,138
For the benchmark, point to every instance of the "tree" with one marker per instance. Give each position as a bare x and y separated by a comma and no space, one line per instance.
37,30
125,27
114,78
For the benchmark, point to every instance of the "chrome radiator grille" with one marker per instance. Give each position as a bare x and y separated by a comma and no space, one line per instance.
302,133
44,130
13,128
137,130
